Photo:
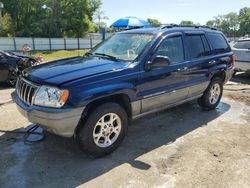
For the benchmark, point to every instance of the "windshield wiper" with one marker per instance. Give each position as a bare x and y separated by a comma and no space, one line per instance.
88,54
106,55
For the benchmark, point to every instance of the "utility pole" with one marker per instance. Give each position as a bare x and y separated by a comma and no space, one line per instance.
1,7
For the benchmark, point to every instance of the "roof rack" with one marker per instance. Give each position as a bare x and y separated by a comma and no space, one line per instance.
164,26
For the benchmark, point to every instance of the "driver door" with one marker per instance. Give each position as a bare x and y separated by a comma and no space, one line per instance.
165,86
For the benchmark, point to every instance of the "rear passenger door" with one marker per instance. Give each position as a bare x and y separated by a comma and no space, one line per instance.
199,55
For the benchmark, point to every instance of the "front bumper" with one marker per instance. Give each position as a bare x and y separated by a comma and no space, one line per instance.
58,121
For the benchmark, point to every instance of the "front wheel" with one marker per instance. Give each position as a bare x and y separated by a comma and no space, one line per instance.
103,131
12,78
212,96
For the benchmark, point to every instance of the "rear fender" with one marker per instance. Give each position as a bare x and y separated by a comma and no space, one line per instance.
220,69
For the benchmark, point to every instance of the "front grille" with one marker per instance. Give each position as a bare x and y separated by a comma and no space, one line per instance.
26,90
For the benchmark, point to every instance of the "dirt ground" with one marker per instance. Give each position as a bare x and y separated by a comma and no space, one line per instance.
179,147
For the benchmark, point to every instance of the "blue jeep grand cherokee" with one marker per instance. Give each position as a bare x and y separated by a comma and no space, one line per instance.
131,74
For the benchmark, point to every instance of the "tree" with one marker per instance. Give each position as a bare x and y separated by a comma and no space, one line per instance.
244,18
187,22
51,18
231,21
99,18
5,25
228,24
211,23
154,22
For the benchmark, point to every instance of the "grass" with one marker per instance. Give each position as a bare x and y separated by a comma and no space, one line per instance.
53,55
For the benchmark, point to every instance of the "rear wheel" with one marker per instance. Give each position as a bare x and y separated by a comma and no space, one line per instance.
103,131
212,96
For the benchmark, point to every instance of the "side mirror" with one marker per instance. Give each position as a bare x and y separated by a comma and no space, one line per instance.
158,62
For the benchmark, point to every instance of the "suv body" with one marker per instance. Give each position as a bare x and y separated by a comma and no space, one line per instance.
175,65
242,53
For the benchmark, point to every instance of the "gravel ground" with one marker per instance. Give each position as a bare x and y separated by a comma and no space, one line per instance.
179,147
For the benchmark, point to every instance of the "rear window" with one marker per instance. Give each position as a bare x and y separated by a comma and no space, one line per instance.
245,44
218,42
197,46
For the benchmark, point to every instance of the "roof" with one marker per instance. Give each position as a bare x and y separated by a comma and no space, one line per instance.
170,28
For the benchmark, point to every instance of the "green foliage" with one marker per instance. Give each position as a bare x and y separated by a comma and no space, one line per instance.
233,24
228,24
187,22
244,18
5,25
67,18
154,22
51,18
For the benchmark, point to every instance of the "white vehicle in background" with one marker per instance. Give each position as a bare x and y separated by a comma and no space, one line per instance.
242,52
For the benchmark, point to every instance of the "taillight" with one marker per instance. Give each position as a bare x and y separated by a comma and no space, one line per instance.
233,59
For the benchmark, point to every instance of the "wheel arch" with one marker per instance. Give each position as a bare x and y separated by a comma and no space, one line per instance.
219,74
121,99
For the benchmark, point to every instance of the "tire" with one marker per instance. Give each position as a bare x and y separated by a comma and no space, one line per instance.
208,102
97,122
12,79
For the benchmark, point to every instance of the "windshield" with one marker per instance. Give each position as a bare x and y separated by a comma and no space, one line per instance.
124,46
245,44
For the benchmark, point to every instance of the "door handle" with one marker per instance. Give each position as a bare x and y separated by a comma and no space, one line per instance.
182,69
212,62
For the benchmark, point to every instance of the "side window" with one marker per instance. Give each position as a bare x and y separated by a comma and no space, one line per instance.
172,48
244,44
206,45
218,42
196,47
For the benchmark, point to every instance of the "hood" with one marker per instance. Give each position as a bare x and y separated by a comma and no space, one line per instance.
66,70
15,55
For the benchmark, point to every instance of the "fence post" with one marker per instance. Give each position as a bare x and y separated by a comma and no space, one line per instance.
14,41
91,43
64,43
50,44
33,43
78,43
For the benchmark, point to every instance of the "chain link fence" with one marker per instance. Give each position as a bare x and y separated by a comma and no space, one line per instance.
49,44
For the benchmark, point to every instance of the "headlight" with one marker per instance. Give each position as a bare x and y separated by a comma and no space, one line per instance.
51,97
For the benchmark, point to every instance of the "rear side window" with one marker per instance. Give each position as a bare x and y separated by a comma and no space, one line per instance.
219,43
245,44
196,47
206,45
172,48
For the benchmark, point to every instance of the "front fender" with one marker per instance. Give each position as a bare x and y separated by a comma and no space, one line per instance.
89,95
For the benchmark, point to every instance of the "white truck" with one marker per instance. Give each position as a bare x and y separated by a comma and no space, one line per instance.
242,52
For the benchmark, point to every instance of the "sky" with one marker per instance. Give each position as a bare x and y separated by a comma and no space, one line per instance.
166,11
